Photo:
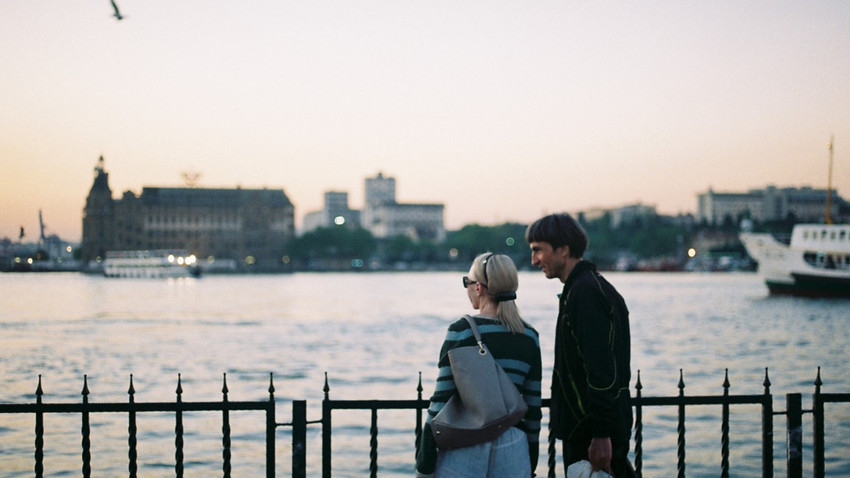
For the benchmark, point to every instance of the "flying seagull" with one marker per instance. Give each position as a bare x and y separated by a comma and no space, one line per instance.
117,13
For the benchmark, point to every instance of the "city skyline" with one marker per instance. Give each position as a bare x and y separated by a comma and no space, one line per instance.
501,111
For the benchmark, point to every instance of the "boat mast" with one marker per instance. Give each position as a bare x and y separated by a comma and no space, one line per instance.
829,183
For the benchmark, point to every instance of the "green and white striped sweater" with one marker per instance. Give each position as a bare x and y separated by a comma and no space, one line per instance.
517,354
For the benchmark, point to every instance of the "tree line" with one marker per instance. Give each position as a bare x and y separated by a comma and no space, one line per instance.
651,237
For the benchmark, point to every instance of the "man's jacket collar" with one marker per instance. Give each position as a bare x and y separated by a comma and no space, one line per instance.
579,269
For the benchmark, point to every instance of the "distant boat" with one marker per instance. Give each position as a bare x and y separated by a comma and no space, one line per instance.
150,264
816,263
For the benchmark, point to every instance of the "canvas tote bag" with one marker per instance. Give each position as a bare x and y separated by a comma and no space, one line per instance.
487,402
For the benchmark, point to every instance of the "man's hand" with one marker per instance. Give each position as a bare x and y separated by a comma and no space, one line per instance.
599,454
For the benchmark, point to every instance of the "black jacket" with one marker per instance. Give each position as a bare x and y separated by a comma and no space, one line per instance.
590,377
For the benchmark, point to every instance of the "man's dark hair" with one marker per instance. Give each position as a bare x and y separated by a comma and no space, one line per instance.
559,230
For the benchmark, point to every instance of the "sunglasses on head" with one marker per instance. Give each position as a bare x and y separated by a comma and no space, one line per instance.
467,282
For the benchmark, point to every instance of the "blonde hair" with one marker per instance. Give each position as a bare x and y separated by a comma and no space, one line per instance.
497,273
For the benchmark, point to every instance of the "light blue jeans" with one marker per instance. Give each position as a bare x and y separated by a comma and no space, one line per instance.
504,457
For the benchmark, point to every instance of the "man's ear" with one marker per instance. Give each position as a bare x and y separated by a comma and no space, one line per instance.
563,251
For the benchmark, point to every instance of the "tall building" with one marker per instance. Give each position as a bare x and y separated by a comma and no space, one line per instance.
378,191
98,217
335,213
244,228
386,218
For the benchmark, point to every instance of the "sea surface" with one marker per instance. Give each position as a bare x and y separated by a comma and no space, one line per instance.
373,333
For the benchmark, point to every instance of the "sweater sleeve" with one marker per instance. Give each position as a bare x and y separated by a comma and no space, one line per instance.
426,459
532,396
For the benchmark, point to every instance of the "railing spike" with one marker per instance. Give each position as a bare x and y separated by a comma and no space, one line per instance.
726,383
271,384
327,387
179,390
132,390
224,389
38,391
638,384
818,381
766,382
681,381
85,391
419,386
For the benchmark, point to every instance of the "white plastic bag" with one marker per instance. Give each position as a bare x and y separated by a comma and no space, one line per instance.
582,469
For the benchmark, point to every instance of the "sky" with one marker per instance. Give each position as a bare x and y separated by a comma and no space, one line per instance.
501,110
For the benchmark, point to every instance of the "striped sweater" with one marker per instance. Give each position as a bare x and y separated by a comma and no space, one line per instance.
517,354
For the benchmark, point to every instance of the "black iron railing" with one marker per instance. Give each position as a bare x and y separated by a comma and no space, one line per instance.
299,425
725,400
682,402
132,409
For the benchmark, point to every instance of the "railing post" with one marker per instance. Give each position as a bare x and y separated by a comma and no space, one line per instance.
178,431
271,425
767,429
225,430
817,439
794,416
724,429
551,454
299,439
638,428
326,431
86,430
681,427
373,444
39,433
131,430
418,431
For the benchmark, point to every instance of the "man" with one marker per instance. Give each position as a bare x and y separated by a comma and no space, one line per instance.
590,408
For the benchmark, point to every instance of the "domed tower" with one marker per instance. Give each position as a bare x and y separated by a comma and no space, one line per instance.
98,218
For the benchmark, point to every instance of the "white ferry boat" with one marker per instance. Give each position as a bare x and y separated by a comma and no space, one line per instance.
150,264
815,263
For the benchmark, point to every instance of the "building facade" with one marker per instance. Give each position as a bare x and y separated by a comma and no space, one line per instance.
225,228
631,214
381,215
769,204
335,213
416,221
378,191
386,218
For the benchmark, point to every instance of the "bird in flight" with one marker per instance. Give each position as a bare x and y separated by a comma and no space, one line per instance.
117,13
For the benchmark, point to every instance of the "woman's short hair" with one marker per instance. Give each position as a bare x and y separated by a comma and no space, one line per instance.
559,230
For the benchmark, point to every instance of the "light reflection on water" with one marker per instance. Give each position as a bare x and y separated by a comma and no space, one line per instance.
373,333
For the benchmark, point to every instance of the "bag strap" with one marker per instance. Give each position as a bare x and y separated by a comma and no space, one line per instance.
474,327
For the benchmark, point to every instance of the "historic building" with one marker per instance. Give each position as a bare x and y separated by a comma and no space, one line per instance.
225,228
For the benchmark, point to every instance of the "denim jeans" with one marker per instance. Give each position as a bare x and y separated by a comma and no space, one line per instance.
504,457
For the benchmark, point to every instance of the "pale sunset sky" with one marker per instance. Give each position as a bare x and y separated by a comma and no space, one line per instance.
501,110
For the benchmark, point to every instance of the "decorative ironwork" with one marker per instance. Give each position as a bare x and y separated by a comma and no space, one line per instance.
299,424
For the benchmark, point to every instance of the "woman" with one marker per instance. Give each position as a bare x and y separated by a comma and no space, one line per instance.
491,287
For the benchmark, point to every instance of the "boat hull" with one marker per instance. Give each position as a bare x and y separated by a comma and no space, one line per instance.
811,286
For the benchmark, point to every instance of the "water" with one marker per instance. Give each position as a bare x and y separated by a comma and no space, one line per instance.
373,333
